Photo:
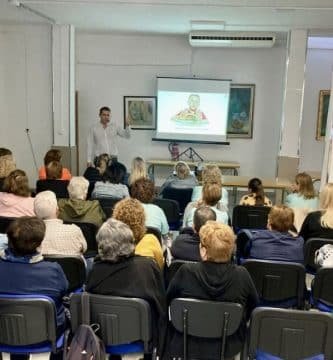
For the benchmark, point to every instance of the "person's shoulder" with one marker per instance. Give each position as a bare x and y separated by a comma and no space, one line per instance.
145,263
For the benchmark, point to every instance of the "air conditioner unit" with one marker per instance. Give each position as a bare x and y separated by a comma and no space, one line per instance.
231,39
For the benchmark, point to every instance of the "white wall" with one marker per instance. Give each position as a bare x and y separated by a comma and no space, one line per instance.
319,67
25,93
112,66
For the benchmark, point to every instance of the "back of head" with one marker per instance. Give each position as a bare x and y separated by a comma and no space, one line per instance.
182,170
78,188
255,186
53,170
17,183
305,184
326,204
115,241
45,205
115,173
138,170
7,163
25,234
101,162
144,190
211,194
211,174
217,242
201,215
281,218
52,155
131,212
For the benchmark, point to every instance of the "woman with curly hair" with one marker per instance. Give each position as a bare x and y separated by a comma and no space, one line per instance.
131,212
16,201
7,164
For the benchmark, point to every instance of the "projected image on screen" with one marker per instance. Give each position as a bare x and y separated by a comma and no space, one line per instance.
193,110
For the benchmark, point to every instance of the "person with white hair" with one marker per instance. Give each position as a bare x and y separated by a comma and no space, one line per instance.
77,208
60,238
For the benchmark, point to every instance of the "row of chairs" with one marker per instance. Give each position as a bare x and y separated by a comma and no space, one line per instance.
28,326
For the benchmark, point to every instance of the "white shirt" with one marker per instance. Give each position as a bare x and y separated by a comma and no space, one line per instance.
103,140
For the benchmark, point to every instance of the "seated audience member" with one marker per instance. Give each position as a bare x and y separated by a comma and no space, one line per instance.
186,244
215,279
211,195
60,238
256,196
77,208
144,191
117,271
182,178
320,223
303,195
138,170
277,242
7,165
112,184
93,174
131,212
211,174
53,155
53,181
16,201
23,270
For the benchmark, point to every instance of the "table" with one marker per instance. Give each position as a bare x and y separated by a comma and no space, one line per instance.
230,165
268,183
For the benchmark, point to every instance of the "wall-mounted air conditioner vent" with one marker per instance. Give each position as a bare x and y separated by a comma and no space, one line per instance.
231,39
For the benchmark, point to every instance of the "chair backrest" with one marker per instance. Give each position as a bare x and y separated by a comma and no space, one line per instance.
249,217
322,289
27,320
121,320
278,283
59,187
89,231
310,247
154,231
171,211
182,195
290,334
4,223
107,204
205,319
73,267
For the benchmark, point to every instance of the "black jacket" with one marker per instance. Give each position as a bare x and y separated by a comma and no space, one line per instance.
217,282
186,245
136,276
312,228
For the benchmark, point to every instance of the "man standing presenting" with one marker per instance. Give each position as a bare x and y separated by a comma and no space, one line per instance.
102,136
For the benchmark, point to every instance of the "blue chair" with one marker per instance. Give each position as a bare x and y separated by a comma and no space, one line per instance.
125,323
28,325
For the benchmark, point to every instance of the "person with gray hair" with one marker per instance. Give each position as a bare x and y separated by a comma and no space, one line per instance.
186,244
117,271
77,208
60,238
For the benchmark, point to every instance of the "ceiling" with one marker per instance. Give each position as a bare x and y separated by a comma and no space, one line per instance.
173,16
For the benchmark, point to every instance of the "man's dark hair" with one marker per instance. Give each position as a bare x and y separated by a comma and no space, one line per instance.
201,215
104,108
115,173
25,234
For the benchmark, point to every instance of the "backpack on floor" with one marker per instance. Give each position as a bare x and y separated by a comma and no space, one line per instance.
85,344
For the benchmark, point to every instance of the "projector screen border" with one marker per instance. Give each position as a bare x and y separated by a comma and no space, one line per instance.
193,141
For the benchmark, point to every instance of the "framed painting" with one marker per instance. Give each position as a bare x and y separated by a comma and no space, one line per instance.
324,100
140,112
240,114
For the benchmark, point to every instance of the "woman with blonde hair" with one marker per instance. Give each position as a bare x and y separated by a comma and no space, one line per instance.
303,195
131,212
138,170
16,201
7,164
320,223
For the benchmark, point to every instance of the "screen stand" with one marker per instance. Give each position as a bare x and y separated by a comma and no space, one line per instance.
191,154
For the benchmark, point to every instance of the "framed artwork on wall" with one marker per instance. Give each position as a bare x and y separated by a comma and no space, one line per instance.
240,114
140,112
324,100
